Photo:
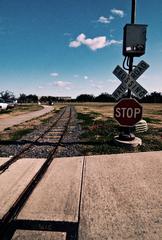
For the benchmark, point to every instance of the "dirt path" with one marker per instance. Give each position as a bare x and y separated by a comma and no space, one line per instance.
10,121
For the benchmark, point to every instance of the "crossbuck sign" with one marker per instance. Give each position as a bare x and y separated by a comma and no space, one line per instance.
129,80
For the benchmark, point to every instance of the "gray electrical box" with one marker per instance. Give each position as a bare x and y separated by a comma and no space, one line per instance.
134,40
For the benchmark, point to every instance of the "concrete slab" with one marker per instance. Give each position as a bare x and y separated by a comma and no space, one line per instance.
56,198
14,180
14,120
38,235
122,197
3,160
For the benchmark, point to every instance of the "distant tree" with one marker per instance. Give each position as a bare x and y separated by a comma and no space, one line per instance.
52,99
154,97
104,97
27,98
22,98
85,98
44,99
32,98
7,95
48,99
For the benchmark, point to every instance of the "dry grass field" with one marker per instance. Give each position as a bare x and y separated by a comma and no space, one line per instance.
97,116
150,110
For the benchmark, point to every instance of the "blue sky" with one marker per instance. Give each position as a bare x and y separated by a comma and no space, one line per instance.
70,47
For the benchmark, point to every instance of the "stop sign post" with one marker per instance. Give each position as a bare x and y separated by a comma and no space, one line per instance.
128,112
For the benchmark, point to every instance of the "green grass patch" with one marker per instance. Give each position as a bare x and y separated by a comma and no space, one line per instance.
5,111
28,107
44,121
101,134
20,133
97,131
151,120
86,118
95,114
23,108
158,112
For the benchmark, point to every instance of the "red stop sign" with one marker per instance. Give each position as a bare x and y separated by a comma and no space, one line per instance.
128,112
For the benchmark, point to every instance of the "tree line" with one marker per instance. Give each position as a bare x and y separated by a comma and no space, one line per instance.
154,97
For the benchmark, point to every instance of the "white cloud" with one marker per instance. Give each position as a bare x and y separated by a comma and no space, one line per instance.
114,42
96,43
93,43
54,74
81,38
85,77
117,12
105,20
111,18
74,44
61,84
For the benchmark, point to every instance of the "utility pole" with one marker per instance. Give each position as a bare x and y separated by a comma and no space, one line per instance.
133,18
127,130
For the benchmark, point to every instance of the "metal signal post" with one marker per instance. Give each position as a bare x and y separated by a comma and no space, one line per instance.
127,130
133,17
133,14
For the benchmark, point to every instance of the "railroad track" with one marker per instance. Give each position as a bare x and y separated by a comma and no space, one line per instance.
60,125
54,132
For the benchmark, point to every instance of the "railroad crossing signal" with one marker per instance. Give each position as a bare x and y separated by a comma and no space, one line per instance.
128,112
129,80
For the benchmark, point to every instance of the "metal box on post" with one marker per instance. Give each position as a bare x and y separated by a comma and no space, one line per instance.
134,40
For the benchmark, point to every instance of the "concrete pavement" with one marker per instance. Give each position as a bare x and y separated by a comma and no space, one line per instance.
111,197
57,196
14,180
122,197
38,235
3,160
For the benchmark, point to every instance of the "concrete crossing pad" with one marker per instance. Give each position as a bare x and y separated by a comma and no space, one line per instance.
122,197
3,160
14,180
57,196
116,196
38,235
